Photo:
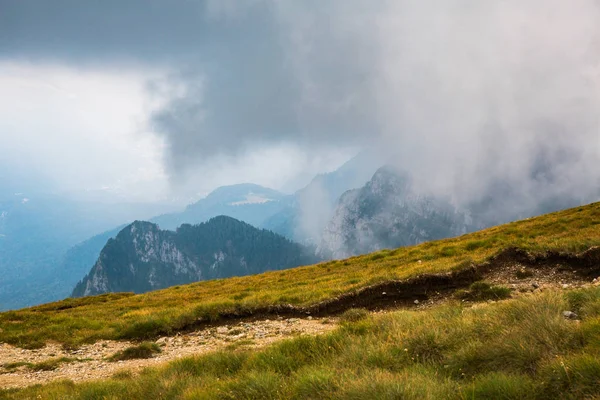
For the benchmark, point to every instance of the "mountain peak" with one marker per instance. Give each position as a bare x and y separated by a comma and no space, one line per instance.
145,258
386,212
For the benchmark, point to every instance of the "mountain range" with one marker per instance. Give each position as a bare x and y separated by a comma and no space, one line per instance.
142,257
46,246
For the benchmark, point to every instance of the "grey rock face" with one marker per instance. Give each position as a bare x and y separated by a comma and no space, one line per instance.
388,213
142,257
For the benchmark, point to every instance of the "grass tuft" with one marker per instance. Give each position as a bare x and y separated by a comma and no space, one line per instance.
141,351
354,315
482,291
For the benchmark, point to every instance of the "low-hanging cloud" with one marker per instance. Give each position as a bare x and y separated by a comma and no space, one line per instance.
464,94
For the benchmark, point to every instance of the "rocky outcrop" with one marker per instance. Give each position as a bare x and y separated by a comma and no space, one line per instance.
142,257
388,213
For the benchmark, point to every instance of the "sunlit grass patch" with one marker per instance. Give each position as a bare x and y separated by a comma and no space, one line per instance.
521,348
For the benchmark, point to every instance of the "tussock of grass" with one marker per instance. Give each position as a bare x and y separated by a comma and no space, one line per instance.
143,317
482,291
52,364
13,366
517,349
48,365
354,315
143,350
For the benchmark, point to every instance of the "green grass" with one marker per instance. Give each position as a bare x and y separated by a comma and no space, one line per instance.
143,350
141,317
354,315
48,365
520,348
481,291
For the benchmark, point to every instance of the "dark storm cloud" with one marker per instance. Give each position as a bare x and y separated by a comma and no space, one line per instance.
460,93
102,30
249,77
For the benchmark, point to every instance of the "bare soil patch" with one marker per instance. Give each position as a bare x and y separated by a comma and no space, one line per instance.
94,362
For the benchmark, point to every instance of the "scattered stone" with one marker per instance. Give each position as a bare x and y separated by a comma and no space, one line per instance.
222,329
565,286
417,302
535,285
309,318
383,293
570,315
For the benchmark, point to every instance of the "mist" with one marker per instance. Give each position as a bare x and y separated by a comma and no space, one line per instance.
467,96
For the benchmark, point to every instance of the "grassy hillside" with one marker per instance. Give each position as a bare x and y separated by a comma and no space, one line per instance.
114,316
516,349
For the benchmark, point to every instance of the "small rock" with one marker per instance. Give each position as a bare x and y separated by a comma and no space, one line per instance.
383,293
419,261
222,329
417,302
570,315
535,285
309,318
565,285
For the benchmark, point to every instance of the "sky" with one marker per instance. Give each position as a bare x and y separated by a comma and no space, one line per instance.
157,99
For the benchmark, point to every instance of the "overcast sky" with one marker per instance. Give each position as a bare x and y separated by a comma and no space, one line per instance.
149,98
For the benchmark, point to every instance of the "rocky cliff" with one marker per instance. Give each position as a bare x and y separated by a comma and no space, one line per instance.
142,257
388,213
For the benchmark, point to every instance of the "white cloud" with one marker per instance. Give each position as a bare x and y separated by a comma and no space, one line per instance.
79,128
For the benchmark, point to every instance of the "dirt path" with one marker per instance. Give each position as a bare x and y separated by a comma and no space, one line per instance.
93,362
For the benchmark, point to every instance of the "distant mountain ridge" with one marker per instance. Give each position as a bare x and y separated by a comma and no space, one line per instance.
387,213
300,217
307,212
142,257
247,202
